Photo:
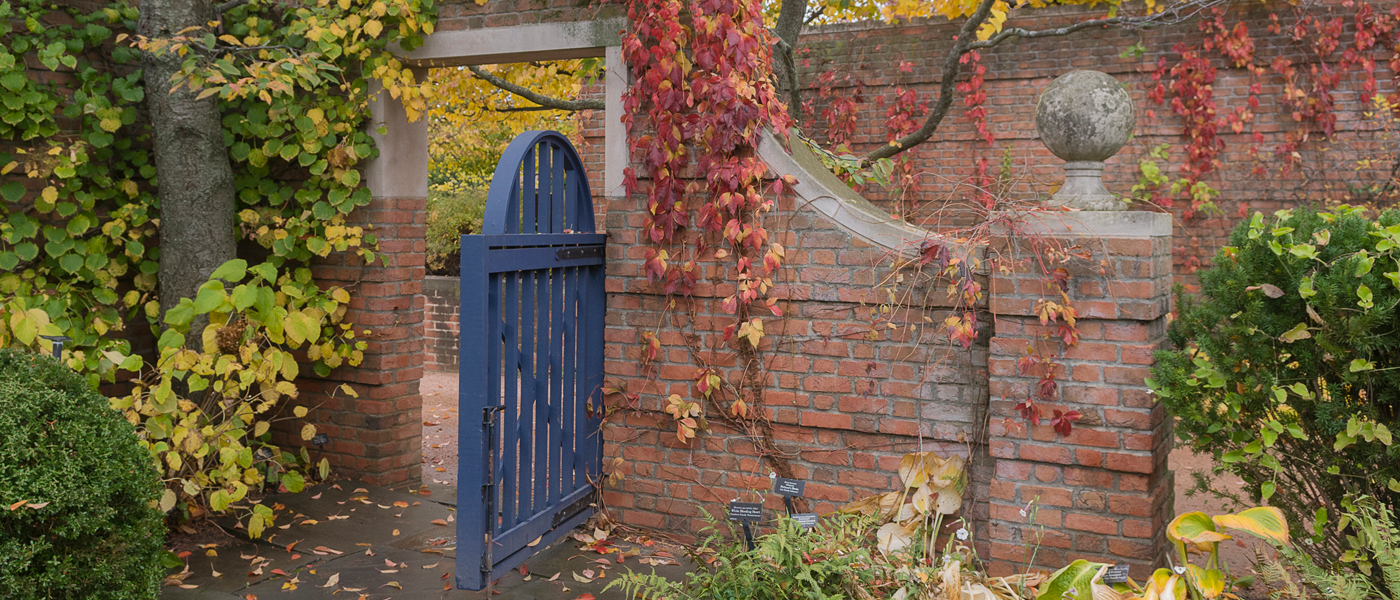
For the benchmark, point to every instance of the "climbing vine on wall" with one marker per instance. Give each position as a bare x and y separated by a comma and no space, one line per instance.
77,248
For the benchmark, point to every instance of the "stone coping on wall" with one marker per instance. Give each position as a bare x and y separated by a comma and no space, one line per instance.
820,190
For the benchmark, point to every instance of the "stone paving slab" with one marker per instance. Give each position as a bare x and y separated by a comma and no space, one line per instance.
365,538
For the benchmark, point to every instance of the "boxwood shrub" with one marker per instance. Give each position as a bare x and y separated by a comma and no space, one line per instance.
77,494
1286,366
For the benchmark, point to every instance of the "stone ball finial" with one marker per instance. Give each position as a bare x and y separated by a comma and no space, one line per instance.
1085,117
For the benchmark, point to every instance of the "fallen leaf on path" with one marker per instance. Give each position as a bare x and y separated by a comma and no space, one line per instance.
396,532
330,550
524,570
556,576
332,581
394,584
444,523
401,504
585,597
581,579
431,566
536,542
317,496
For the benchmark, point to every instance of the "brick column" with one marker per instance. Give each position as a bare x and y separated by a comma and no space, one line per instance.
379,435
1104,492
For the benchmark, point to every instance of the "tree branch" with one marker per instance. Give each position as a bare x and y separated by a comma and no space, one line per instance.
544,101
788,28
952,66
1170,16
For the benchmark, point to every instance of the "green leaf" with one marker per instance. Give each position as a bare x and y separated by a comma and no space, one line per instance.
232,271
351,178
79,224
219,501
294,481
1266,491
71,262
1364,294
209,299
244,296
26,251
1299,332
12,191
181,314
1361,364
171,339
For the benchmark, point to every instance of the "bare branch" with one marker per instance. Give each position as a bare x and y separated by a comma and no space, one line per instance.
544,101
952,66
788,28
1175,14
1171,16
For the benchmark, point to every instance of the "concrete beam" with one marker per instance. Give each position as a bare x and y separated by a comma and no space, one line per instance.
401,170
523,43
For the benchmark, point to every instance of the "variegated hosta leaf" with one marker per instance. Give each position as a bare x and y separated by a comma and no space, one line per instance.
1196,529
1210,582
1266,522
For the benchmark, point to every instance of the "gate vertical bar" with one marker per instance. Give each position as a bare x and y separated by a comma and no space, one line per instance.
474,480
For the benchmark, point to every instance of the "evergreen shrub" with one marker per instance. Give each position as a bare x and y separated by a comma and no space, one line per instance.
78,516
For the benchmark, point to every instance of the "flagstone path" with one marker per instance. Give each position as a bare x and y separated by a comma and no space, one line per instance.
350,540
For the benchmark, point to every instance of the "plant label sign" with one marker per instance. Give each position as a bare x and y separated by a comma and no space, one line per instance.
1116,574
745,511
806,520
789,487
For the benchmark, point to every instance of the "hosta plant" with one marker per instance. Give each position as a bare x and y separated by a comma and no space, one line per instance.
1194,532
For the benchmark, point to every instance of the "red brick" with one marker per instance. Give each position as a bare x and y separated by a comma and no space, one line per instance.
1091,523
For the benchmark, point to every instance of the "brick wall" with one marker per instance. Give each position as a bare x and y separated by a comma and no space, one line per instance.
443,296
1103,491
1018,71
846,401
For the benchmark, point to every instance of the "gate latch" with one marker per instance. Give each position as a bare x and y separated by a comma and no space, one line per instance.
579,252
488,414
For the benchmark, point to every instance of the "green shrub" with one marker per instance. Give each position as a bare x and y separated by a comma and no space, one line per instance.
1286,367
78,518
454,209
1370,571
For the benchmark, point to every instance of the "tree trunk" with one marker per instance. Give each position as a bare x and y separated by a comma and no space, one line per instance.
791,17
197,209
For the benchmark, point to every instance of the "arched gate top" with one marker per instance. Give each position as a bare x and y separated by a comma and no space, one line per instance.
539,187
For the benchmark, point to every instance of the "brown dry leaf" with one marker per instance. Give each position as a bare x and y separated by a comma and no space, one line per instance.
949,473
893,537
431,566
911,470
393,584
330,550
396,532
866,506
581,579
401,504
332,581
949,500
442,522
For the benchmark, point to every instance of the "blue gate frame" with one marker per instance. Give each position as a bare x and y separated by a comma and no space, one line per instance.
531,344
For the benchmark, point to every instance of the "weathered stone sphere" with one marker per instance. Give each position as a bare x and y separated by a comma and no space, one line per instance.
1085,116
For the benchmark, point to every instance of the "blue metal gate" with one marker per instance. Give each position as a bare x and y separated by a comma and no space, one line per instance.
531,360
